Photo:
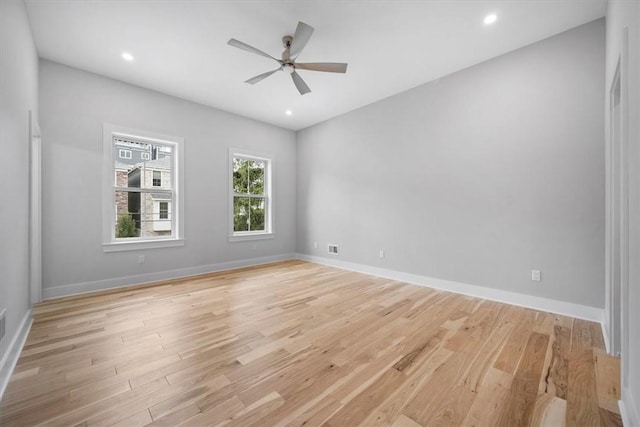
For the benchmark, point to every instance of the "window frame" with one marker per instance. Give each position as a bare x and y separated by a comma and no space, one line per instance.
269,161
109,242
127,154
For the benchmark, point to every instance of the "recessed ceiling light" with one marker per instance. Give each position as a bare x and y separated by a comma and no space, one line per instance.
127,56
288,112
490,19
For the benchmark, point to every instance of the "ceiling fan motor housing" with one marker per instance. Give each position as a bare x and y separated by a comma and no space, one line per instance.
288,68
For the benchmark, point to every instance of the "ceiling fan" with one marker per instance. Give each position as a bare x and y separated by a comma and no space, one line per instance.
293,45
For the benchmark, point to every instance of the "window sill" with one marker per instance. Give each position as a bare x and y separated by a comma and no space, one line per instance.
246,237
141,244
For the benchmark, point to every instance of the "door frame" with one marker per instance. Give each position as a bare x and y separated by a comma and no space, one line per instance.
35,212
617,242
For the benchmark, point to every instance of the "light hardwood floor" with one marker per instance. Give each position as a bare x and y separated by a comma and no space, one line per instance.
296,343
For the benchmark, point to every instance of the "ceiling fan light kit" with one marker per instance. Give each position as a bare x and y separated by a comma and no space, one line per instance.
293,46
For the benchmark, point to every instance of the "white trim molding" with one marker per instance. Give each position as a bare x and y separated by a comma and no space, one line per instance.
269,220
529,301
8,362
143,279
628,409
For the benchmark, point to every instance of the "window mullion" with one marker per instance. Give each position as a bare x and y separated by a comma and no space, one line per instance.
144,190
254,196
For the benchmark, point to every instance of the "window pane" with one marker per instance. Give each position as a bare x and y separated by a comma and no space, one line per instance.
256,222
241,214
126,155
142,165
240,176
127,214
256,177
143,214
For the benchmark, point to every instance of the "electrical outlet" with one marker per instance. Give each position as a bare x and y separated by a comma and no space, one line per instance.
315,245
535,275
333,249
141,259
381,254
3,324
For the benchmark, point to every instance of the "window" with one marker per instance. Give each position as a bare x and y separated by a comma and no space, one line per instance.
124,154
162,216
164,210
250,196
143,193
145,156
157,178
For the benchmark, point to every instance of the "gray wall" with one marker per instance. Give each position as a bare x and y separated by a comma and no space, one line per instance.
479,177
74,104
621,15
19,89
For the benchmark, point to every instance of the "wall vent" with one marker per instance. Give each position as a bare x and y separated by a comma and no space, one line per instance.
3,323
333,249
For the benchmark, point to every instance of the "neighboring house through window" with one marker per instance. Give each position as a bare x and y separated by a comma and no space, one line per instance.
250,204
124,154
147,194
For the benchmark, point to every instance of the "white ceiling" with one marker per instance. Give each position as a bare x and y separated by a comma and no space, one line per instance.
391,46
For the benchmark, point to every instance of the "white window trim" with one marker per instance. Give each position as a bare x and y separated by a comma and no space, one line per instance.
270,160
109,242
145,156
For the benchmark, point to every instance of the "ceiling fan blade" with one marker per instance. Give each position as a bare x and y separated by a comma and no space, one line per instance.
260,77
248,48
300,84
300,38
328,67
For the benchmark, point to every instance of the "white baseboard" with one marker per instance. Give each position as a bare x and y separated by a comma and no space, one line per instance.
139,279
8,362
628,409
538,303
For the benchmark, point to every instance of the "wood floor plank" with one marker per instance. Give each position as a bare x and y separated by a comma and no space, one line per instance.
610,419
404,421
300,344
521,399
317,414
582,396
556,379
607,380
516,343
549,411
488,405
357,410
427,404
